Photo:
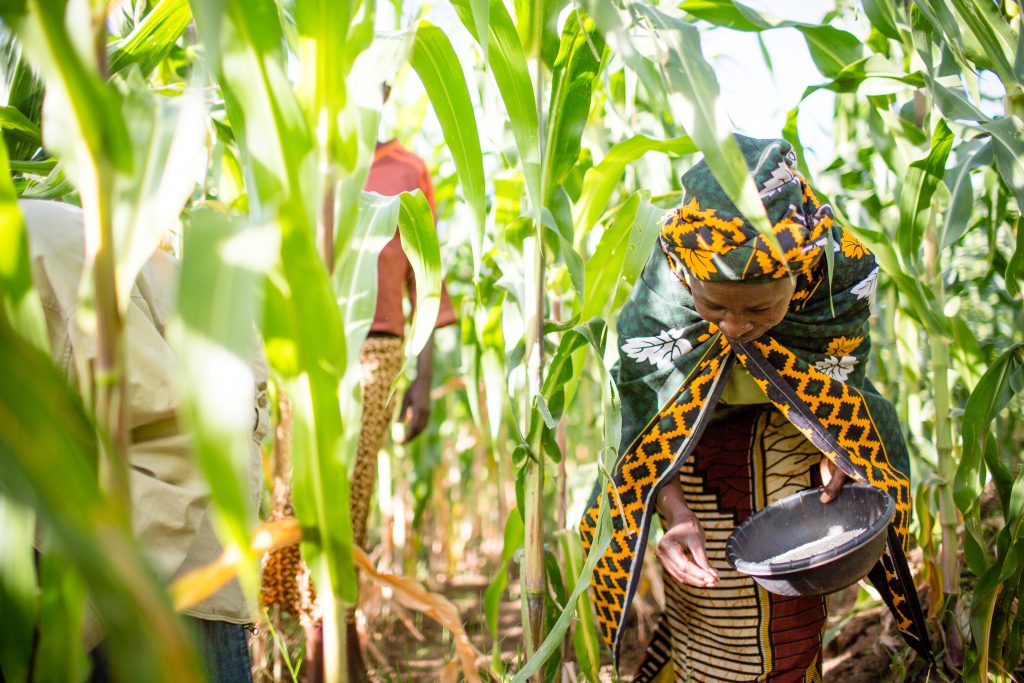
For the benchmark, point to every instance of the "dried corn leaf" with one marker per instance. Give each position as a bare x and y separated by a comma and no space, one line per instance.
197,585
415,597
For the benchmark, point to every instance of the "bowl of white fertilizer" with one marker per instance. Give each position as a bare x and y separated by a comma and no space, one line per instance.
801,546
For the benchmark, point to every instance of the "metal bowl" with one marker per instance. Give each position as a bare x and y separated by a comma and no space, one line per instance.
759,545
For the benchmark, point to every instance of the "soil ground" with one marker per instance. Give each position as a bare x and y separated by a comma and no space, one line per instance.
409,647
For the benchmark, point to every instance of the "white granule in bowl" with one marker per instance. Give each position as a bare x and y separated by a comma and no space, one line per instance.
816,546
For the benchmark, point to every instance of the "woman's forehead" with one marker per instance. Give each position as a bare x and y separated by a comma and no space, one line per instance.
731,293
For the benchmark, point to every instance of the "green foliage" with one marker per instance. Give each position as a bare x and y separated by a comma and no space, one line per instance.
551,211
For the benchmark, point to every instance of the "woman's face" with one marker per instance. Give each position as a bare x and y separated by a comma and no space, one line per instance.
742,311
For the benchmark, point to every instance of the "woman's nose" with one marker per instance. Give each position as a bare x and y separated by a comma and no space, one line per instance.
734,326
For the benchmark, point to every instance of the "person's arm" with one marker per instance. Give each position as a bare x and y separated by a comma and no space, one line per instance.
681,549
416,402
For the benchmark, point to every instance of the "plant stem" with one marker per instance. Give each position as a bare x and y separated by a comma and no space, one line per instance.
533,578
325,218
534,581
948,519
108,372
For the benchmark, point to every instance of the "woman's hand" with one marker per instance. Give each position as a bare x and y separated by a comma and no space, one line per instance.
832,479
681,549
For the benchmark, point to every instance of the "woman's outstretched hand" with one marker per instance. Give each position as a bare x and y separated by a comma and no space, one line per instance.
681,549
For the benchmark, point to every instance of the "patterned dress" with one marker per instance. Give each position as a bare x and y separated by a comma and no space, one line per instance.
737,631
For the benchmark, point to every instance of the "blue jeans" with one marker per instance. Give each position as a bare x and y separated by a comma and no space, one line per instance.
224,648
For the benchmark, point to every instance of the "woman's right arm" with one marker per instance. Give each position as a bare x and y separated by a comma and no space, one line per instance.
681,549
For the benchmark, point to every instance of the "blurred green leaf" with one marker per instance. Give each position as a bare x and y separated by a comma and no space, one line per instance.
243,49
219,299
537,24
19,303
59,653
84,526
18,589
152,38
11,119
244,46
168,137
513,540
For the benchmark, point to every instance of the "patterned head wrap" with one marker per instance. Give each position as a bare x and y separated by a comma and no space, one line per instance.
712,240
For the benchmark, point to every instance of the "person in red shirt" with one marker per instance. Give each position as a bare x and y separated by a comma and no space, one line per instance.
394,170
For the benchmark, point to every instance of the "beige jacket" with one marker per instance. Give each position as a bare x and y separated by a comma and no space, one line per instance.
170,499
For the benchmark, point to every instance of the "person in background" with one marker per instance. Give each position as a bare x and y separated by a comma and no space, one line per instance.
170,502
395,170
285,578
742,380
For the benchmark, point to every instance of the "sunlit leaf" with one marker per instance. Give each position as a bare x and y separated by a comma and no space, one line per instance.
507,62
921,180
152,38
586,639
998,385
971,155
13,120
220,298
168,139
882,15
620,255
419,241
572,83
355,276
438,67
693,92
601,181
